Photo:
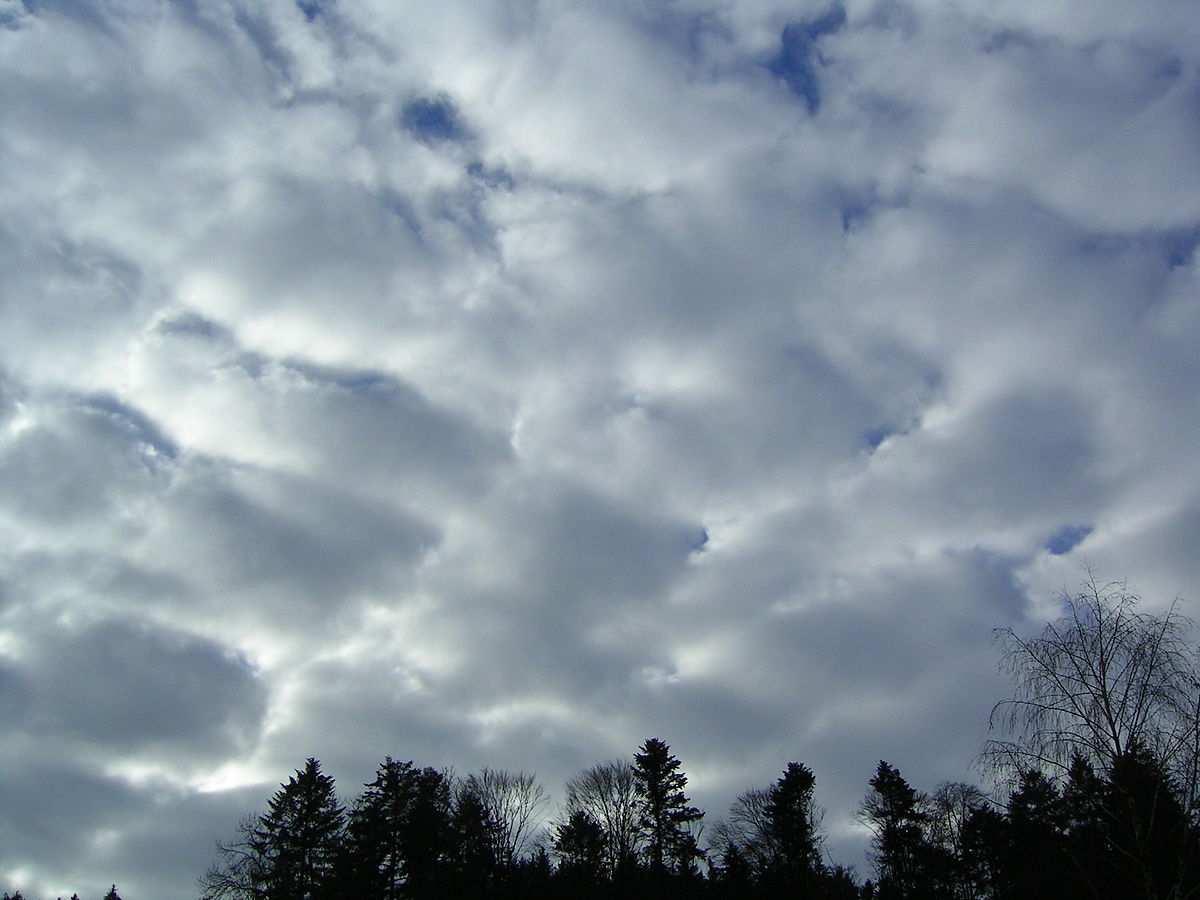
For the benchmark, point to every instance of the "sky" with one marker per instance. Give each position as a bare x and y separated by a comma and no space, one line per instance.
505,382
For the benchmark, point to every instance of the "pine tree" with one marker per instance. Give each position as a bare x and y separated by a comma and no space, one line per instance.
398,834
579,843
893,811
299,836
734,876
794,843
1036,851
289,852
984,853
665,813
1151,834
476,861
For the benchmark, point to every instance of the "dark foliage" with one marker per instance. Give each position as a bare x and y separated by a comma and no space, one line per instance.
666,816
1089,813
287,853
398,834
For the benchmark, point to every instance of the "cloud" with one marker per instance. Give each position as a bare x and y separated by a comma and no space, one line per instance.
493,384
128,686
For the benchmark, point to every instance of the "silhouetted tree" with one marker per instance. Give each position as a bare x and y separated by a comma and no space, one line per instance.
1096,683
579,844
950,808
1119,690
734,876
477,856
665,813
1084,798
289,852
608,793
839,884
793,839
1037,862
892,810
984,851
532,878
746,831
398,834
112,894
513,802
1151,836
299,836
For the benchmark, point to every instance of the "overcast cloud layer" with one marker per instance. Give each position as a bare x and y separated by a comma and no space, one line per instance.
504,383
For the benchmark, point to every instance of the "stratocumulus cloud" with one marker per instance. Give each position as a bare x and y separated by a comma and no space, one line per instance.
502,384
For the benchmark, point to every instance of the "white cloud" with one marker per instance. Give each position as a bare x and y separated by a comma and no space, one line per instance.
503,385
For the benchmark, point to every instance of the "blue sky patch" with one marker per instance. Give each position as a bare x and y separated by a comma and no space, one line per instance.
1067,539
310,8
855,211
798,56
877,436
432,119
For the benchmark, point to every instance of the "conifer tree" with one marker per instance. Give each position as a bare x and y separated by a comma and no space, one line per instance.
398,834
579,844
893,811
1036,852
1152,838
665,813
792,820
734,875
477,854
289,852
299,836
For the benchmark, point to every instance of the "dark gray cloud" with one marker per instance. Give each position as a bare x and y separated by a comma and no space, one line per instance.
494,384
132,688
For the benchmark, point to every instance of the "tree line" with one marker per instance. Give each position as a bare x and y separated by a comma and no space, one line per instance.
1096,769
1097,762
17,895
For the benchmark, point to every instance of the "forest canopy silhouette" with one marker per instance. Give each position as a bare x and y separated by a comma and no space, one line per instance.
1095,767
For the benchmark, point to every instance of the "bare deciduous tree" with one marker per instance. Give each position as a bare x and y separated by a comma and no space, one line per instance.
1101,681
950,808
514,802
239,871
608,793
747,828
1119,690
